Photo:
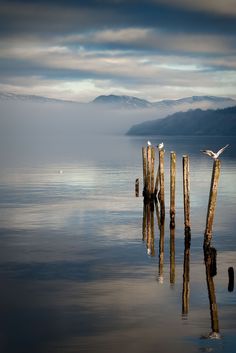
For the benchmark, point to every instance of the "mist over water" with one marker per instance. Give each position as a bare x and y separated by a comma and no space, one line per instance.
74,269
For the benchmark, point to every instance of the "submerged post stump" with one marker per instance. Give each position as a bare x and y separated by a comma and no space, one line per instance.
172,188
212,202
137,187
186,189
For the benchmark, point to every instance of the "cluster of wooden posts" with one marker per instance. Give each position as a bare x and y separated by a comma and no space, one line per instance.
154,199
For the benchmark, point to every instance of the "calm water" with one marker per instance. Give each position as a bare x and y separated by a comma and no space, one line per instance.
76,274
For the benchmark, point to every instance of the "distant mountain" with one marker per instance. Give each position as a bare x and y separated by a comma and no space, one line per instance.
114,102
193,122
194,102
127,102
6,96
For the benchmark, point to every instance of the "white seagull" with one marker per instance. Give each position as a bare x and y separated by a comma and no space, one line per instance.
149,143
214,155
160,146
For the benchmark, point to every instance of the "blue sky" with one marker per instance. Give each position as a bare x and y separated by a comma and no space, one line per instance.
153,49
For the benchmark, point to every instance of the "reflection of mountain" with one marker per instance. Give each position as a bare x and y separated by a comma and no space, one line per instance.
193,122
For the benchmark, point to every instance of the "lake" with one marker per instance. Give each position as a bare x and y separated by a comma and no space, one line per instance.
77,273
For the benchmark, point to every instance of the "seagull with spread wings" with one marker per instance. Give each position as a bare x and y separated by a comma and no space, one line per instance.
214,155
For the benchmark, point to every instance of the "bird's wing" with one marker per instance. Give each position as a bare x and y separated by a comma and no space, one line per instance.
209,152
221,150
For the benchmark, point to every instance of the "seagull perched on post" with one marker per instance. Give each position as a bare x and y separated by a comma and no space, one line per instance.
149,143
160,146
214,155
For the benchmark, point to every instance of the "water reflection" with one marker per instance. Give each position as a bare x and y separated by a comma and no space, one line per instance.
186,273
211,270
172,255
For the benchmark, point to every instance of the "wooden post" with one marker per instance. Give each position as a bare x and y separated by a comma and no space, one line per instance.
172,255
137,187
211,293
162,187
231,279
186,274
212,202
157,180
186,189
149,157
152,171
172,188
144,157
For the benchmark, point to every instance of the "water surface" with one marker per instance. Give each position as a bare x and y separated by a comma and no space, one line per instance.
76,274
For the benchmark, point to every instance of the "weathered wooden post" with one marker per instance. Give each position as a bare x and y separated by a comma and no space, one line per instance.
212,202
231,279
149,164
157,180
172,188
137,187
172,255
144,157
162,186
152,172
211,293
186,189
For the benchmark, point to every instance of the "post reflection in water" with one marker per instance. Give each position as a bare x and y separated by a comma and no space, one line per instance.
161,251
210,264
186,274
172,255
148,228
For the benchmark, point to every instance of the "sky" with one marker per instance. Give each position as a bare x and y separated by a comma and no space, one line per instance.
152,49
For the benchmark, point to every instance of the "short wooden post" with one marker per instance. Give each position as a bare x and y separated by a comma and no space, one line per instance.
172,188
231,279
144,157
172,255
186,189
211,293
186,274
137,187
162,186
152,171
212,202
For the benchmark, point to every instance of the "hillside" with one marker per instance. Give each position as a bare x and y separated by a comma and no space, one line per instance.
193,122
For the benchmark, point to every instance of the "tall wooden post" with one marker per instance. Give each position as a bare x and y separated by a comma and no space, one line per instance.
144,157
212,202
162,186
172,188
186,189
152,170
149,164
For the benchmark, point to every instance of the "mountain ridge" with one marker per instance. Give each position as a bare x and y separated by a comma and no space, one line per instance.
198,122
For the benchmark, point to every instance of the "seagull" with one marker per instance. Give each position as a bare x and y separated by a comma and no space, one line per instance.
160,146
214,155
149,143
